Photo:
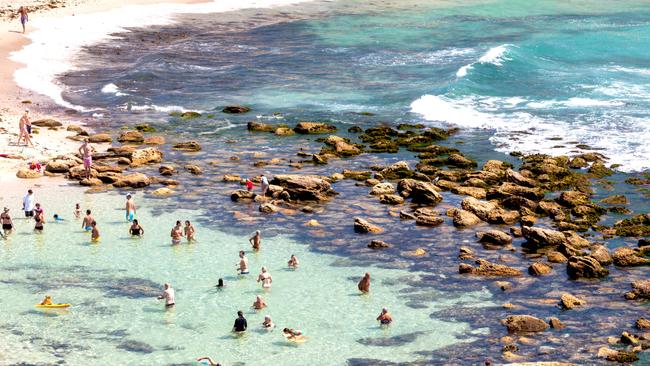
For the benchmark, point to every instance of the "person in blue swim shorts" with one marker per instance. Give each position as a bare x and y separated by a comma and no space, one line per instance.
87,223
130,208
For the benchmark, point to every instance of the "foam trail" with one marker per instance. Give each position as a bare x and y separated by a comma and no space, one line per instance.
57,40
495,56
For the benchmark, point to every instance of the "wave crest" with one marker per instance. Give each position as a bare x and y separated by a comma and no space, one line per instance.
495,56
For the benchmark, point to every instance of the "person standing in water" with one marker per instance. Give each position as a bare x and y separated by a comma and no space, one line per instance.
256,240
136,229
86,154
243,263
264,184
384,318
169,296
39,213
259,303
22,12
7,223
268,323
177,233
189,231
364,284
94,234
77,211
38,226
87,223
28,203
265,278
293,262
130,208
240,323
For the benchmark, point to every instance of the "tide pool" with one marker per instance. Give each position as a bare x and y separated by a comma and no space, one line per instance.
115,318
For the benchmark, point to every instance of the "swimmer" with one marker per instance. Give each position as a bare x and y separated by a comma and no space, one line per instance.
243,263
169,296
86,224
220,283
268,323
259,303
293,261
208,360
177,233
47,300
189,231
94,234
39,224
364,284
7,223
136,229
77,211
130,208
384,318
256,240
265,278
293,334
57,218
240,323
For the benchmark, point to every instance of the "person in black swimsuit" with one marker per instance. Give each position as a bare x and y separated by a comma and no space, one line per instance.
7,224
136,229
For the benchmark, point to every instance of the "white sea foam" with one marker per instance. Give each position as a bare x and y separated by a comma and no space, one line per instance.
391,58
57,40
575,103
157,108
621,138
495,56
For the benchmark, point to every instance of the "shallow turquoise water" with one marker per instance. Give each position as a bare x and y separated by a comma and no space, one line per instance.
112,287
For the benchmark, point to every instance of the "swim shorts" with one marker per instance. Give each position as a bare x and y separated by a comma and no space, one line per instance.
7,227
89,228
29,213
130,216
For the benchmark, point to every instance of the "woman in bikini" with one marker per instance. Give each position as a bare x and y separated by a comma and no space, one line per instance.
136,229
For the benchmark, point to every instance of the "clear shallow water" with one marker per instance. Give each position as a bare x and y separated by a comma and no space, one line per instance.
115,318
524,73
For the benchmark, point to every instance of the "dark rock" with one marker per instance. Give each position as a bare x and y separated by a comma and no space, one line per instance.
51,123
187,146
485,268
378,244
391,199
364,227
524,323
242,194
494,237
556,323
260,127
539,269
585,267
235,109
310,128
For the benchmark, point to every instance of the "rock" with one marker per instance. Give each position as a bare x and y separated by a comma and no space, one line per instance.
629,339
305,187
556,257
341,147
145,127
25,173
155,140
60,165
382,188
482,209
88,182
643,243
363,226
399,170
235,109
556,323
378,244
460,161
543,237
518,202
189,115
575,240
638,225
194,169
161,192
187,146
312,223
168,182
496,166
100,138
134,137
568,301
494,237
642,323
539,269
284,131
406,216
573,198
78,172
242,194
601,254
516,232
475,192
626,257
615,200
486,268
518,179
147,155
310,128
355,129
231,178
585,267
419,192
621,356
598,169
47,123
419,252
269,208
77,129
524,323
465,253
260,127
427,217
391,199
463,218
640,290
510,189
319,159
166,170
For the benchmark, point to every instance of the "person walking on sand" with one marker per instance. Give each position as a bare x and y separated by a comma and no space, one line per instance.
243,263
264,184
177,233
7,224
22,12
256,240
87,223
87,156
385,318
265,278
240,323
130,208
364,284
189,231
25,129
94,234
28,203
169,296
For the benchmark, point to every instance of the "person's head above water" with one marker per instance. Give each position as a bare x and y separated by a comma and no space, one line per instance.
135,221
93,224
56,216
220,282
242,253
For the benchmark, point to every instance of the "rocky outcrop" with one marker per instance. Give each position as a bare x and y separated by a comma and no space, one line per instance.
539,269
61,165
626,257
356,174
341,147
391,199
601,254
640,290
568,301
26,173
187,146
518,179
556,257
378,244
642,323
100,138
620,356
638,225
485,268
427,217
365,227
482,209
284,131
260,127
510,189
48,123
418,191
132,137
475,192
268,207
463,218
305,187
382,188
241,195
543,237
89,182
524,324
573,198
148,155
236,109
556,323
399,170
494,237
133,180
585,267
311,128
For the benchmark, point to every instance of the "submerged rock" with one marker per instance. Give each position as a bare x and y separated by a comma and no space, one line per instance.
260,127
485,268
187,146
365,227
236,109
378,244
310,128
640,290
568,301
524,323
